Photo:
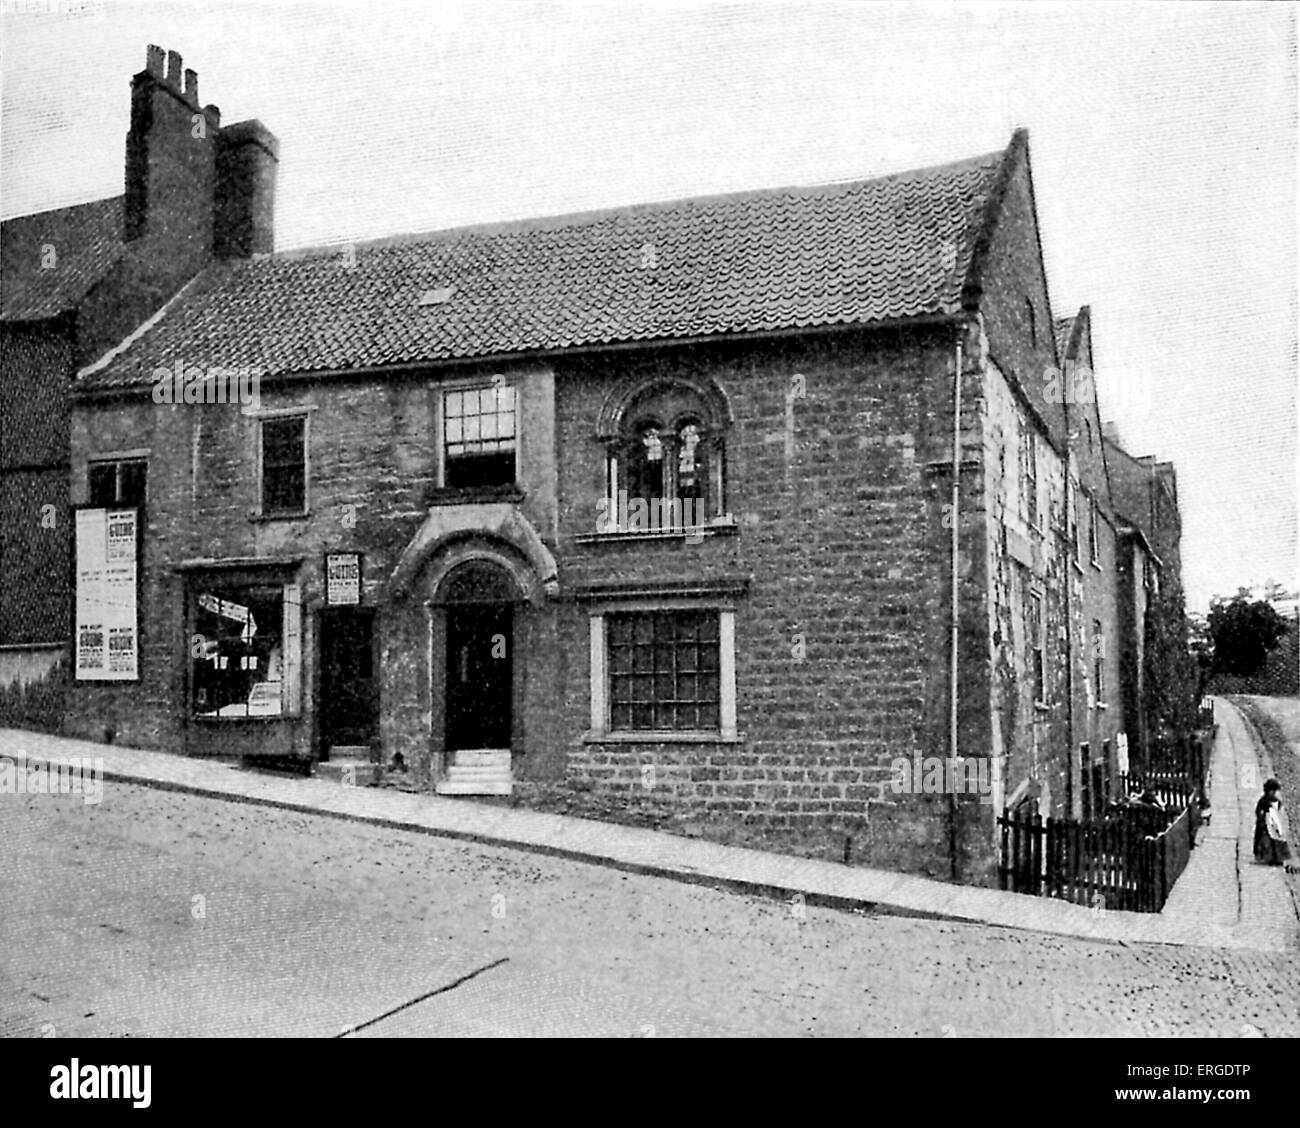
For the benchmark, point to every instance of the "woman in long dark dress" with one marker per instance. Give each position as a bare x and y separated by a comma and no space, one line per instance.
1263,849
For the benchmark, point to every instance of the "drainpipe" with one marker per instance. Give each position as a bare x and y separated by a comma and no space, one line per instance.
953,664
1071,499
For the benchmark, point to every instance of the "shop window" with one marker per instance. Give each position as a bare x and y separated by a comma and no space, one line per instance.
245,650
284,465
480,431
119,482
664,671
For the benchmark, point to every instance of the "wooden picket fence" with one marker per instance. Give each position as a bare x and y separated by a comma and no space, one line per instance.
1127,861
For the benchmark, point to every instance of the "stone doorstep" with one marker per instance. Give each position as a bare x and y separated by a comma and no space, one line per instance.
451,786
350,753
482,757
362,773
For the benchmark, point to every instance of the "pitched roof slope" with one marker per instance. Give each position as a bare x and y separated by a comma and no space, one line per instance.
86,240
839,254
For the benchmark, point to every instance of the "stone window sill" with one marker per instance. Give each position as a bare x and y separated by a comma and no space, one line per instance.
719,527
244,720
472,495
301,515
669,737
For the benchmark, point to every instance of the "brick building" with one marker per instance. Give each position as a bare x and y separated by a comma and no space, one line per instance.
720,509
75,281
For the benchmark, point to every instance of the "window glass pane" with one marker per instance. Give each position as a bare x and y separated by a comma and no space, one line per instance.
131,482
236,651
103,483
667,691
283,465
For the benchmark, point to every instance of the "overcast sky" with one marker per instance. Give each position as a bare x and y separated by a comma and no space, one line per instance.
1162,136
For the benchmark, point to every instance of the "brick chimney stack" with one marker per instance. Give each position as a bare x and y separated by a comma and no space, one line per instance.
170,162
194,190
248,156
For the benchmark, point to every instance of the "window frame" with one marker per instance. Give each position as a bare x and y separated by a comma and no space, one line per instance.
670,407
442,418
1029,474
602,731
280,416
1098,665
117,461
289,640
1036,616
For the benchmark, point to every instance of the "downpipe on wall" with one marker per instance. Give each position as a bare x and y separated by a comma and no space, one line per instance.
953,663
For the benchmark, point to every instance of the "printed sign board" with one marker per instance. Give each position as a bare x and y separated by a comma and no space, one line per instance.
342,578
107,642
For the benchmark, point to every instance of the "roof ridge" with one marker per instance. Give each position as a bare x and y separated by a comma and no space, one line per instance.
65,208
561,220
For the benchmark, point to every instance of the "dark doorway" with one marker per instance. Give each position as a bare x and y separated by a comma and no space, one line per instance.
479,664
348,698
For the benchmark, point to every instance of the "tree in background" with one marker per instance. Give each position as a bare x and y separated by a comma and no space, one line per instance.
1238,635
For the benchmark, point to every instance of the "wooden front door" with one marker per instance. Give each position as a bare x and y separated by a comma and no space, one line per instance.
348,700
479,667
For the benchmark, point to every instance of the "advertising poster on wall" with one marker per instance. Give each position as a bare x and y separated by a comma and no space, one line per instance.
107,628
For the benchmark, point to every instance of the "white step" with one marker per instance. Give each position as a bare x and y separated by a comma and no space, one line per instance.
473,787
482,757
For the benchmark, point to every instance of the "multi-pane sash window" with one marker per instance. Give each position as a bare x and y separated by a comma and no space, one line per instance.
284,465
1098,663
479,435
1034,629
119,483
1029,472
663,671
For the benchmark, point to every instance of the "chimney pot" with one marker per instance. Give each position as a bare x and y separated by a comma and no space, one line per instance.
174,69
192,85
153,61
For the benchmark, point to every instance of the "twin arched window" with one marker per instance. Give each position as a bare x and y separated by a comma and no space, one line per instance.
665,462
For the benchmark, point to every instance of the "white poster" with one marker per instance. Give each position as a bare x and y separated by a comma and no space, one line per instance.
107,636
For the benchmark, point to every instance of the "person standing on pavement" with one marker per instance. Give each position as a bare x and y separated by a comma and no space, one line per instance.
1270,840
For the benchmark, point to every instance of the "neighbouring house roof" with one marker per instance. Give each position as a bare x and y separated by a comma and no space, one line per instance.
1063,328
51,259
868,251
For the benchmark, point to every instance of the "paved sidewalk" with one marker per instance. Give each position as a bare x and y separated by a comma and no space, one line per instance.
1223,887
683,859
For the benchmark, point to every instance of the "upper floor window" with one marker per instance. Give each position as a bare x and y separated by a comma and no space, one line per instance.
665,464
119,482
1035,629
1098,664
1092,532
1029,472
283,447
479,434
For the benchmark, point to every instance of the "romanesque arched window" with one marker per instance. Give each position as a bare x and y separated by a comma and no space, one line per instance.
665,459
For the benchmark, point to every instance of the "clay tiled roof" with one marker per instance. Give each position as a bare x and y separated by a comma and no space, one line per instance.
51,259
861,252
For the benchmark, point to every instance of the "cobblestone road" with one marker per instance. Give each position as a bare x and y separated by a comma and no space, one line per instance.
157,913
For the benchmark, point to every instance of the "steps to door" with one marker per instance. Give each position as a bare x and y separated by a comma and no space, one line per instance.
350,764
478,771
